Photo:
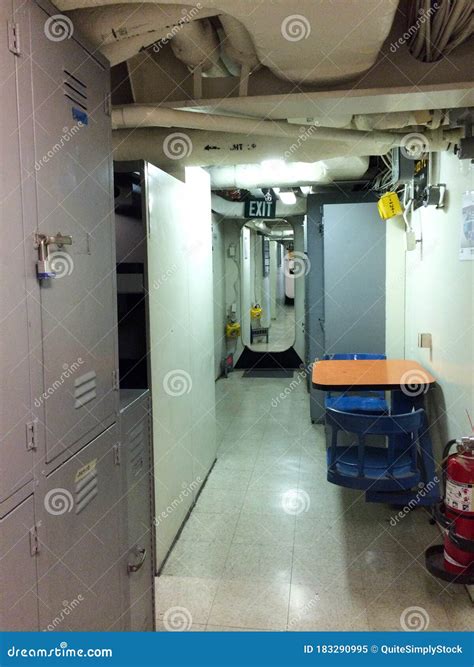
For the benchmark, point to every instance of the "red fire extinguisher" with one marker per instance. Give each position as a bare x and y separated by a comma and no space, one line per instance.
459,503
454,561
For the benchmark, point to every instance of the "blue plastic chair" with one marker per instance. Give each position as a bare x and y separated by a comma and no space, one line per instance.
366,402
368,467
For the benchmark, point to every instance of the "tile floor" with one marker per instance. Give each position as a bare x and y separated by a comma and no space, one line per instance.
271,545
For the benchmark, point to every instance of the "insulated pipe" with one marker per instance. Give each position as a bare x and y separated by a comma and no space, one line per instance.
120,31
172,149
142,115
294,174
196,45
237,43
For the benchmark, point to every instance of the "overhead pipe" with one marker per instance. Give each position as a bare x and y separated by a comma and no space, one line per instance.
121,31
143,115
282,174
171,149
196,44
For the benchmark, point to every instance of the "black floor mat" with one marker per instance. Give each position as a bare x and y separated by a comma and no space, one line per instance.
268,373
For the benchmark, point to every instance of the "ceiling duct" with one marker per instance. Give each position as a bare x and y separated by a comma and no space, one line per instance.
302,42
274,173
120,31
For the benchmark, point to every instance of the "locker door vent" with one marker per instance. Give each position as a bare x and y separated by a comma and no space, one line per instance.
75,90
85,389
86,490
136,448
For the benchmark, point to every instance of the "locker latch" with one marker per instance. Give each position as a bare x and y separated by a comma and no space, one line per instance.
13,38
44,267
117,454
31,434
34,541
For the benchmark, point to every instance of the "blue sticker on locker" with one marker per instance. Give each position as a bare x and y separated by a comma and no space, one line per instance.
80,116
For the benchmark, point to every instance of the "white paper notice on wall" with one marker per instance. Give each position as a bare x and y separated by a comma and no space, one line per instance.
466,247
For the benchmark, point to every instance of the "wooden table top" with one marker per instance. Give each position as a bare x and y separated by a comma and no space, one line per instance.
338,375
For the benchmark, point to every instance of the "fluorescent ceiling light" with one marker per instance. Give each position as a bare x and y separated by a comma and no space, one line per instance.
288,198
305,189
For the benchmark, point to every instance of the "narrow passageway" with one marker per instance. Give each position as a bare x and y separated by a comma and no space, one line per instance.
271,545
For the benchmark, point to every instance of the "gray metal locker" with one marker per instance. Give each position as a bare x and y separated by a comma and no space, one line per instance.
16,453
137,509
74,193
79,539
18,597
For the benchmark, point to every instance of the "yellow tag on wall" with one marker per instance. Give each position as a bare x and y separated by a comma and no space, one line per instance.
389,205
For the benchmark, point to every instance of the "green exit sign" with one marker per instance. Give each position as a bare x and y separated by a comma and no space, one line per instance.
260,208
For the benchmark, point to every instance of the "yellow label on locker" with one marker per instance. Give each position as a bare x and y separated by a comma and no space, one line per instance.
85,470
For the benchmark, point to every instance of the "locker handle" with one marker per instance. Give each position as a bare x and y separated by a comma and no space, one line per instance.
137,566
